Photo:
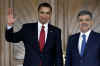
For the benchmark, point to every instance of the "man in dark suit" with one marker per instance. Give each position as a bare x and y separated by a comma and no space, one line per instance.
83,48
42,40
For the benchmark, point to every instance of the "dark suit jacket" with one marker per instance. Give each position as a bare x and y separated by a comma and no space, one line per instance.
52,52
91,55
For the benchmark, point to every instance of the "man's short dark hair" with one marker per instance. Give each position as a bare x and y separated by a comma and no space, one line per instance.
45,5
85,12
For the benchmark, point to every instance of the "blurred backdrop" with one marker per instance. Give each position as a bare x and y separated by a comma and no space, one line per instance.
25,11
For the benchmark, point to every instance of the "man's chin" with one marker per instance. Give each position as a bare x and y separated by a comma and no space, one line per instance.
43,22
84,31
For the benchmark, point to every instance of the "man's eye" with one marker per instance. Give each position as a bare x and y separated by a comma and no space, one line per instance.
87,20
42,12
48,13
81,20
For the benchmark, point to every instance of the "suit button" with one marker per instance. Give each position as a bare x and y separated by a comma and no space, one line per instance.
41,55
81,61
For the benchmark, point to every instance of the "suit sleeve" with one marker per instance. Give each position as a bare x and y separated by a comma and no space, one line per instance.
14,36
68,57
59,57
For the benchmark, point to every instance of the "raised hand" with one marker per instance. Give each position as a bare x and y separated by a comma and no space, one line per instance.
11,18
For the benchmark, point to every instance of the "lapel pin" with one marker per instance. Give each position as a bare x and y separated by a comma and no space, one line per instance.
51,31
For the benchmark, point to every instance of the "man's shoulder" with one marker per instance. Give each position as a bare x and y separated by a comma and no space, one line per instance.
55,28
96,34
29,24
75,34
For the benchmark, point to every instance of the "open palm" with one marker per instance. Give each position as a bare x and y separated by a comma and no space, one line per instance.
11,18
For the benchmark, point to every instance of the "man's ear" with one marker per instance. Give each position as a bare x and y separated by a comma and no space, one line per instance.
92,22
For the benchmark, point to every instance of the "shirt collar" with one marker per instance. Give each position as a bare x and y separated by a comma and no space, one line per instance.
87,33
40,24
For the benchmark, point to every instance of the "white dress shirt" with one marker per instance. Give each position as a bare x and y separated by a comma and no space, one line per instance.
39,29
80,39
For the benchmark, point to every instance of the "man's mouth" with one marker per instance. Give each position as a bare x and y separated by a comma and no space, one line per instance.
84,25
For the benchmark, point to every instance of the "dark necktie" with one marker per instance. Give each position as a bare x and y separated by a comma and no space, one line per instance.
83,44
42,38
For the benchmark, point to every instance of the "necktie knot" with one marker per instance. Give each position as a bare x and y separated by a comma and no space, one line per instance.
43,27
84,36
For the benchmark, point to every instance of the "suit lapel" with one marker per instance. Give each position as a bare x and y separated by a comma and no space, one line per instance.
89,42
91,38
76,41
50,31
36,37
36,32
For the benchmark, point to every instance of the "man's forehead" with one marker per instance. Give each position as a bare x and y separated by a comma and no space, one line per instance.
84,16
44,9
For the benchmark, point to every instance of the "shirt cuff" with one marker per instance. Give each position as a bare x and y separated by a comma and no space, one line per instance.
9,27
